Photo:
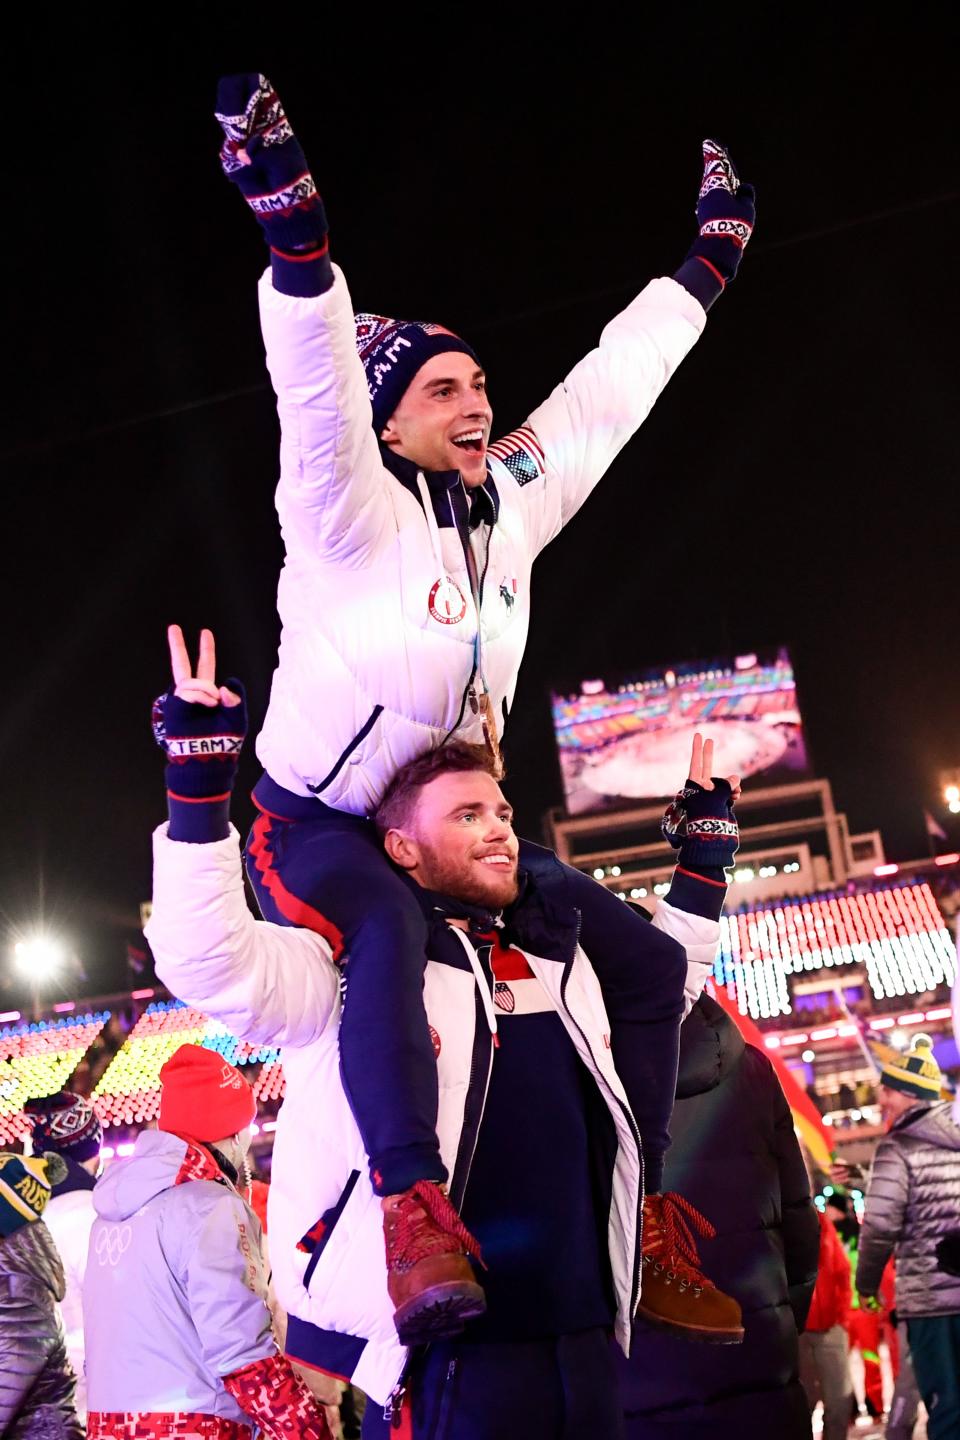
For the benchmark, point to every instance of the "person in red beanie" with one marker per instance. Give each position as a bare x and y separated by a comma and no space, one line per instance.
178,1334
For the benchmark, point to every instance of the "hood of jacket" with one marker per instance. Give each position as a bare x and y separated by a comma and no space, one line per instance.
711,1047
931,1123
159,1161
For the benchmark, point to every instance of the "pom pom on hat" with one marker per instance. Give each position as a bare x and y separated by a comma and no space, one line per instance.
203,1097
916,1073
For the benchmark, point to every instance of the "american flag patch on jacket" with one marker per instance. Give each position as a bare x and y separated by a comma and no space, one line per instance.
521,453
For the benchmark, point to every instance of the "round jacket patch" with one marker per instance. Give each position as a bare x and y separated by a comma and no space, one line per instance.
447,601
435,1039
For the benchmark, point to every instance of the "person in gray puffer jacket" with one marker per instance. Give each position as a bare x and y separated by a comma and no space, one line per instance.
913,1201
37,1383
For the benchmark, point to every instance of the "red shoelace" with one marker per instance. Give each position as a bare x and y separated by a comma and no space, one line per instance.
427,1223
673,1246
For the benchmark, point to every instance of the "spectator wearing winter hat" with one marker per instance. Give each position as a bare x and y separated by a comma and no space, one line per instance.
912,1202
179,1341
67,1125
36,1380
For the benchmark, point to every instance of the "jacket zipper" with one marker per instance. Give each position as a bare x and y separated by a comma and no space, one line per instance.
361,735
468,1140
628,1115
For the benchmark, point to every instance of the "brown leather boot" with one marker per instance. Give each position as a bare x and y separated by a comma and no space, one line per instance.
675,1295
431,1283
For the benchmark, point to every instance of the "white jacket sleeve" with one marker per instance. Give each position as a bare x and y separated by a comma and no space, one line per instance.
582,427
700,938
332,498
270,984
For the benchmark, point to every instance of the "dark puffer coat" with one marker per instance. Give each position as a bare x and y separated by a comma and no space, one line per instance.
913,1201
735,1157
36,1381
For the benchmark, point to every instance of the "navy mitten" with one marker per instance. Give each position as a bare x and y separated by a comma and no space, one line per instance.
202,744
726,214
263,158
701,825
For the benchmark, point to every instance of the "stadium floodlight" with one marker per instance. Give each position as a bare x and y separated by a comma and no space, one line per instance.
38,957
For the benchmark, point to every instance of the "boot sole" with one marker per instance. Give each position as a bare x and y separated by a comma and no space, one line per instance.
691,1332
438,1312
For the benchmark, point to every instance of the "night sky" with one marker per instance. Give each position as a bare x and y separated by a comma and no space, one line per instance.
795,483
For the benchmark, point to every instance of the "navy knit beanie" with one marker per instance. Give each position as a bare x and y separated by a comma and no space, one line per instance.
66,1124
393,351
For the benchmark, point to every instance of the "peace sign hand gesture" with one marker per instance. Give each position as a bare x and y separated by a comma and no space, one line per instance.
699,821
201,726
199,689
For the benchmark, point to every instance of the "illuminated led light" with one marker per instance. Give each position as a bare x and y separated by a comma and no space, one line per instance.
772,1042
599,873
911,1019
808,1056
886,869
884,1023
39,957
898,1038
943,1013
800,1039
125,1149
614,869
947,859
128,1092
830,1034
65,1007
107,1152
954,807
9,1015
38,1058
952,793
662,888
269,1126
846,1030
142,994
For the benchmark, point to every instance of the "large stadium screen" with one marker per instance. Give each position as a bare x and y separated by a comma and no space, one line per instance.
625,742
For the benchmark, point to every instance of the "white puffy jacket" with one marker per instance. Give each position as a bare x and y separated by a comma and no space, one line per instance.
276,985
371,670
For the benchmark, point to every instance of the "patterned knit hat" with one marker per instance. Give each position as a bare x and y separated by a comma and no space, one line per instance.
202,1096
916,1073
393,351
66,1124
25,1185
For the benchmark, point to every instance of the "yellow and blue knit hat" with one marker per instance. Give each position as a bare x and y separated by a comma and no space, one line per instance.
916,1073
25,1185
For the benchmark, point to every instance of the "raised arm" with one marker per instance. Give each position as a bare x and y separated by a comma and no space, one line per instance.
570,440
270,984
701,826
332,498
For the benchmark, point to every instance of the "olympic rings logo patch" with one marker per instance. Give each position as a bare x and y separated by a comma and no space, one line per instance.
112,1243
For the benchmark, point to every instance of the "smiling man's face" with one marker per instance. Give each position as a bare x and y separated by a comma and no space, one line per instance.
460,840
443,421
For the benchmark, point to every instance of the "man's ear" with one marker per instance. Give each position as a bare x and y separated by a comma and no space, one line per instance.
389,434
402,849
